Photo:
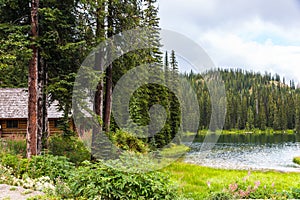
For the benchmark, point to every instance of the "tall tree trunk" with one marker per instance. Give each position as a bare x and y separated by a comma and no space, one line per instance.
45,130
99,62
99,93
40,109
98,100
42,133
108,77
33,85
108,98
98,109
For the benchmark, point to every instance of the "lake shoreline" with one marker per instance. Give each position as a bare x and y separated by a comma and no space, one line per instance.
247,132
243,152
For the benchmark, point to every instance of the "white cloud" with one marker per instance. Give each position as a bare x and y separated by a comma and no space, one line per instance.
259,35
229,50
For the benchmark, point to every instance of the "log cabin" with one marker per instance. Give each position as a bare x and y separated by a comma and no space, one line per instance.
14,111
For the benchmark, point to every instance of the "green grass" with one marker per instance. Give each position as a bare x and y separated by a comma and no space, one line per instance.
193,179
296,160
175,151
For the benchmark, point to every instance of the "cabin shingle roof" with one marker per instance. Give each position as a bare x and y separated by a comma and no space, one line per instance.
14,104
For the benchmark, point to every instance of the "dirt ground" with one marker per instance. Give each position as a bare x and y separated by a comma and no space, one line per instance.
16,193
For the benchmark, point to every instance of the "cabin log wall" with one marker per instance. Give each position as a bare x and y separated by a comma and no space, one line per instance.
22,128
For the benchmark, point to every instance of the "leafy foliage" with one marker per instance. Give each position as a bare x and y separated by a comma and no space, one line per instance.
99,181
296,160
88,181
49,165
70,147
39,166
129,142
17,163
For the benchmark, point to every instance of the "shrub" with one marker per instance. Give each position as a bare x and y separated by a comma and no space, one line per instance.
296,160
70,147
127,141
38,166
17,163
6,175
41,184
296,193
100,181
49,165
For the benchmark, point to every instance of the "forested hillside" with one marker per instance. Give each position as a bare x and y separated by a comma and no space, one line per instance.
254,101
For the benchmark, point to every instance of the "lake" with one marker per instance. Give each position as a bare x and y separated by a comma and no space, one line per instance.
256,152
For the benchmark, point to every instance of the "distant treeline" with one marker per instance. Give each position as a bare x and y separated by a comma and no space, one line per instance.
254,101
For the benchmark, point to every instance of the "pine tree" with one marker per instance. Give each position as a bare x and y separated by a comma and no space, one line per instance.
250,119
175,111
262,117
15,50
277,122
166,68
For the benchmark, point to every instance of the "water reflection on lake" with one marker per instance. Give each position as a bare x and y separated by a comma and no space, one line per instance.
273,152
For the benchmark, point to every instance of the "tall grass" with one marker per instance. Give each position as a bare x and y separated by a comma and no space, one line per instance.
198,182
15,146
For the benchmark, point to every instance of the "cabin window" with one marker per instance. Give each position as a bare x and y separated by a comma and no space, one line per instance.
56,124
12,124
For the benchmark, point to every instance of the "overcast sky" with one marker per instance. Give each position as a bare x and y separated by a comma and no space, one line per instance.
258,35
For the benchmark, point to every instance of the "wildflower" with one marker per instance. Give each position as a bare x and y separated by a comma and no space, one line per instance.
273,184
208,184
257,184
243,194
233,187
249,189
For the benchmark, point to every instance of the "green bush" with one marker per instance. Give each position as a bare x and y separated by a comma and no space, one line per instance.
99,181
38,166
49,165
6,175
89,181
127,141
70,147
17,163
296,160
296,193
